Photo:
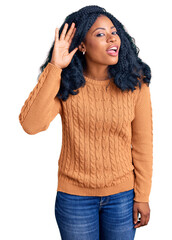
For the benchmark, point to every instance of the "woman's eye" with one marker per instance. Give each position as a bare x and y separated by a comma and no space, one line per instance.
103,33
99,34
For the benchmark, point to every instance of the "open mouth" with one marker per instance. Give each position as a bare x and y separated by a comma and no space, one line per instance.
113,51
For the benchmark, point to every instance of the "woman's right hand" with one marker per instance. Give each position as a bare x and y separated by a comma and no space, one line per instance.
60,55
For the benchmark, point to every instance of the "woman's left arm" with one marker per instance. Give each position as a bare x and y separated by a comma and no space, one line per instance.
142,144
142,155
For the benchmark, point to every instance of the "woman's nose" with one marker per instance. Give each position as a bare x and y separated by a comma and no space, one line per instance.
112,37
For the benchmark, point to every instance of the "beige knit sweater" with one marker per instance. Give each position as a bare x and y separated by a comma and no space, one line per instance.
107,135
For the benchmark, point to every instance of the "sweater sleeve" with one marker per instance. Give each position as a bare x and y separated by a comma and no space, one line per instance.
42,105
142,145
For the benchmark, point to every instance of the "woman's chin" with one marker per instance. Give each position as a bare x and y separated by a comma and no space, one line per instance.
113,61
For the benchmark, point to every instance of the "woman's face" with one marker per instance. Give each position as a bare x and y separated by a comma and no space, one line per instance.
99,38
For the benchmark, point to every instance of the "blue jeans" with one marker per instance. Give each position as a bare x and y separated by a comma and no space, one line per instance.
93,217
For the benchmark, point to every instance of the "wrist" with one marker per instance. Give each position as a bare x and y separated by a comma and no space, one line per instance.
55,64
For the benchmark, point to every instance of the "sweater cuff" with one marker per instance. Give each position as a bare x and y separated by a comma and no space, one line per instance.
54,67
140,197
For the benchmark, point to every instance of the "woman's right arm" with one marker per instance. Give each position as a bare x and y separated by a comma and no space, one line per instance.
42,105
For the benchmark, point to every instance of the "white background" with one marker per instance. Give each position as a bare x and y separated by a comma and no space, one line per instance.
29,163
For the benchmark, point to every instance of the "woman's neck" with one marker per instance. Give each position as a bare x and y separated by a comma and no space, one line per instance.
92,76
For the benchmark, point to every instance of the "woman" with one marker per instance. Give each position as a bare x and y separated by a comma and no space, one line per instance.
105,165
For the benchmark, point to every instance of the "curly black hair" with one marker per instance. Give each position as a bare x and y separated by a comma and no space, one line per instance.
126,74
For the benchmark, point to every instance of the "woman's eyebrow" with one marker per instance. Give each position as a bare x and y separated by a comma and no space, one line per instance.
101,28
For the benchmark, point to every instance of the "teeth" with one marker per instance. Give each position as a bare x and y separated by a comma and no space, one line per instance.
113,48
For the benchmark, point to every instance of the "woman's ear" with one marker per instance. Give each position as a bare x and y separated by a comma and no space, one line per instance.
82,47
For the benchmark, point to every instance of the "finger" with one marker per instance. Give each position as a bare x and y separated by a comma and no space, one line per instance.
56,35
62,36
138,225
73,52
143,219
70,40
147,219
142,222
69,33
135,215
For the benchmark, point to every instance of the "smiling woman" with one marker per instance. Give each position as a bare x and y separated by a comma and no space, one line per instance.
105,164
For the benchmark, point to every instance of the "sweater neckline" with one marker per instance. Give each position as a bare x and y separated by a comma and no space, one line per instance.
97,82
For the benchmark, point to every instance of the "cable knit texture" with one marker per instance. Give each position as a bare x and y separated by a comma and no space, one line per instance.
107,135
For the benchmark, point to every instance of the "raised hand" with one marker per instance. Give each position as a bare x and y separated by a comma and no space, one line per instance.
61,56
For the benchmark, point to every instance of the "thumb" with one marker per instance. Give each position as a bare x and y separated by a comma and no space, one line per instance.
135,214
73,52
